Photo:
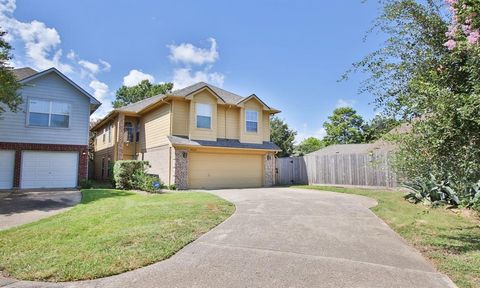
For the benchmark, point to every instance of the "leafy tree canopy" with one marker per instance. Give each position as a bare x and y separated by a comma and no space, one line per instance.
309,145
378,126
126,95
283,136
9,97
345,126
427,72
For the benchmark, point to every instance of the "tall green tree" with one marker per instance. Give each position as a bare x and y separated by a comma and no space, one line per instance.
427,72
9,95
345,126
309,145
283,136
126,95
379,126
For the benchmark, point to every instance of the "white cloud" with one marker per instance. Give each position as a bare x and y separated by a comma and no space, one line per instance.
305,133
72,55
106,66
345,103
89,66
40,42
101,91
188,53
184,77
135,76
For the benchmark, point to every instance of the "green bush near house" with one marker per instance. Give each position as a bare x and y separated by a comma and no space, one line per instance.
132,174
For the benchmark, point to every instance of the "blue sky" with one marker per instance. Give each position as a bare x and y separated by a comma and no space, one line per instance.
289,53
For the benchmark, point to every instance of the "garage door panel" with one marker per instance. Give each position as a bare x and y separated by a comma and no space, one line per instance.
41,169
7,165
215,170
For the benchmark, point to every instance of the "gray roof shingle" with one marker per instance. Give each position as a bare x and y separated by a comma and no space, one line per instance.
228,97
226,143
22,73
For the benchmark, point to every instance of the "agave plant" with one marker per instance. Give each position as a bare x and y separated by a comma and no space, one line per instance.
472,196
432,191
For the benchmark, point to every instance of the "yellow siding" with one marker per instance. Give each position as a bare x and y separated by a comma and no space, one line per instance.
180,117
221,170
251,137
156,127
99,144
233,123
221,121
199,133
266,126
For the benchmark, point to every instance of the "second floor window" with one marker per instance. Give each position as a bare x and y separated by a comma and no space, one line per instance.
47,113
251,123
109,133
104,134
129,131
204,115
137,133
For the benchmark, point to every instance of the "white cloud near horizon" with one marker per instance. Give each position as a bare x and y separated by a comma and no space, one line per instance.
188,53
136,76
345,103
183,77
305,133
41,45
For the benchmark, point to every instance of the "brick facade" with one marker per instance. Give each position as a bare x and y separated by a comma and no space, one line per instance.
19,147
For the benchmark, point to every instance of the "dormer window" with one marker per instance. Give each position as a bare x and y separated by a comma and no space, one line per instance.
251,124
204,115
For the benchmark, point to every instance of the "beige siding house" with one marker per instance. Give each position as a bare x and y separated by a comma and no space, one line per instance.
199,137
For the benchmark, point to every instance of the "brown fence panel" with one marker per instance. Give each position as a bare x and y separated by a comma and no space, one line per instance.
359,169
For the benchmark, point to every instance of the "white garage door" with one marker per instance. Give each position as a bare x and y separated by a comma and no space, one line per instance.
49,169
7,164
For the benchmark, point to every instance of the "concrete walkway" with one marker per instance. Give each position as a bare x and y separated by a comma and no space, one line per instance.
23,207
281,237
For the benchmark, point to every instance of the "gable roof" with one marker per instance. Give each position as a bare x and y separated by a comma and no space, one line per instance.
27,74
22,73
226,96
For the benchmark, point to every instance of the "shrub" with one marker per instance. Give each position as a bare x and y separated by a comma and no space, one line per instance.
146,182
124,171
86,184
172,187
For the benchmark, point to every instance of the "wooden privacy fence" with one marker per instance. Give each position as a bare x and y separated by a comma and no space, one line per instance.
360,169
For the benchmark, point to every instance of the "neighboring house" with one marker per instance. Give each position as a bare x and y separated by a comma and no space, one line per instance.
45,143
197,137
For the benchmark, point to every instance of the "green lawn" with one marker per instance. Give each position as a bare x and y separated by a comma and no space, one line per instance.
450,240
110,232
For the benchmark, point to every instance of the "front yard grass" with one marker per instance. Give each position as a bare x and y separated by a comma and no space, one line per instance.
450,240
109,232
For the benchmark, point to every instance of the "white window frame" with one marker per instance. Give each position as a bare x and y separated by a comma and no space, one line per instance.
210,108
49,113
246,120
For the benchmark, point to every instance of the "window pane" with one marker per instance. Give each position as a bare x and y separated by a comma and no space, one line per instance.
252,126
38,119
252,115
59,121
129,131
39,106
204,109
60,108
203,122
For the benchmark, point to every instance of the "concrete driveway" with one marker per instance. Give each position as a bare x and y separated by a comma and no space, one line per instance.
22,207
281,237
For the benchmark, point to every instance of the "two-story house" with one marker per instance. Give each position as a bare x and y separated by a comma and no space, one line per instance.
45,143
197,137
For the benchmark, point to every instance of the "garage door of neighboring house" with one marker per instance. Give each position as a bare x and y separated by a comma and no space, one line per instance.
212,170
7,166
42,169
